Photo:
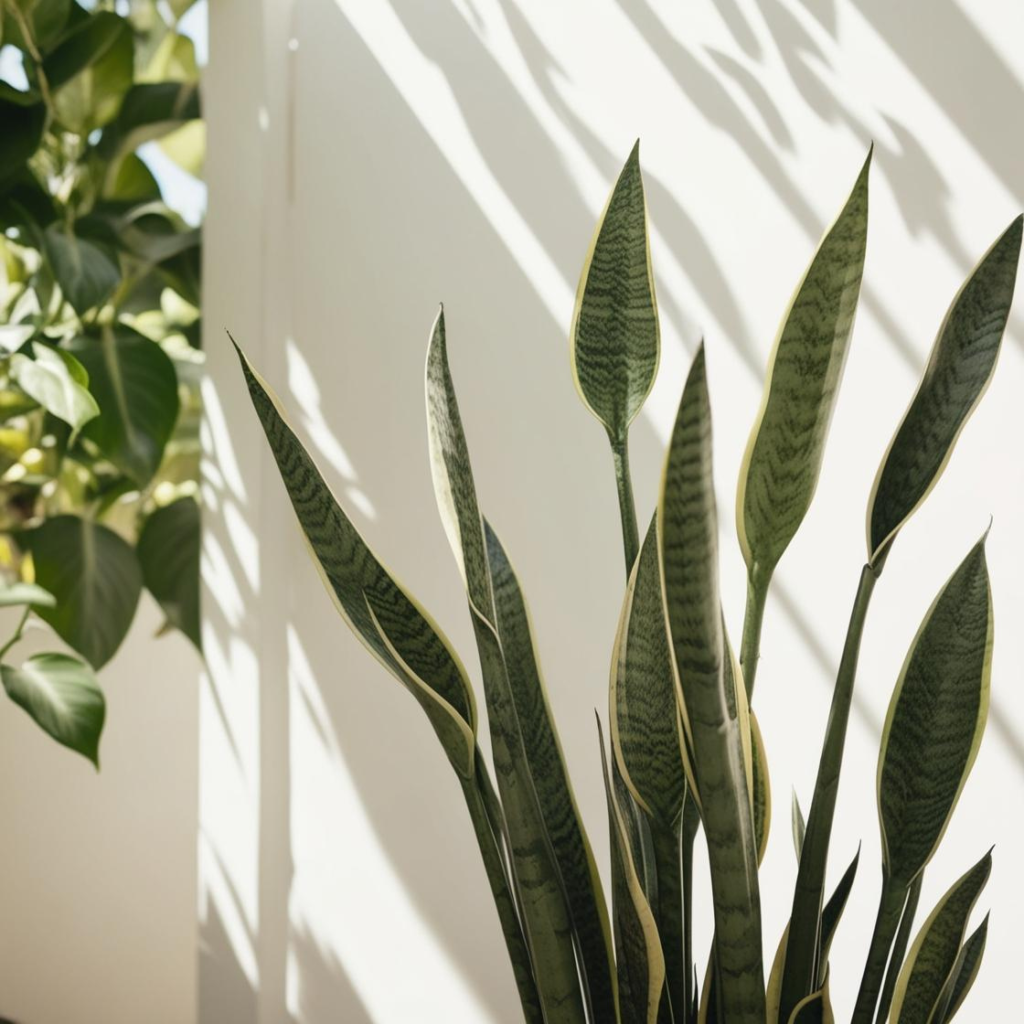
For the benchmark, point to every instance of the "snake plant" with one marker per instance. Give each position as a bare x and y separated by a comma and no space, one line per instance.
686,757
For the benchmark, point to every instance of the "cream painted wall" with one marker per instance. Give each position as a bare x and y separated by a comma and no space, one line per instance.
97,890
370,160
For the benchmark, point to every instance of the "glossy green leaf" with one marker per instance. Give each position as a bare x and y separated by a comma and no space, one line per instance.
707,689
85,44
549,843
935,950
643,710
22,131
86,272
56,380
47,21
136,385
395,629
936,719
95,578
963,975
783,458
168,551
26,594
639,957
63,698
959,369
614,337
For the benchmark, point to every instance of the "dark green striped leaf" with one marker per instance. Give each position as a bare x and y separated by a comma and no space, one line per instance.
762,791
640,961
959,369
562,900
783,458
707,689
395,629
63,698
936,719
614,336
815,1009
643,710
961,978
935,950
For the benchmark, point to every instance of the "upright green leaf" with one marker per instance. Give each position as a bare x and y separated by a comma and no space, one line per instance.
783,458
394,628
964,972
959,369
936,719
136,385
799,826
815,1009
63,698
935,950
563,902
639,956
85,271
168,551
707,689
614,338
95,578
56,380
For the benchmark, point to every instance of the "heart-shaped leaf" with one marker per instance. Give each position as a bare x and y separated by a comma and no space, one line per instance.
936,719
85,271
57,381
168,551
614,338
783,458
63,698
959,369
95,578
136,386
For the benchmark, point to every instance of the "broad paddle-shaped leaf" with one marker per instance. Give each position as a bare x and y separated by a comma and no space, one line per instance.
707,689
936,719
959,369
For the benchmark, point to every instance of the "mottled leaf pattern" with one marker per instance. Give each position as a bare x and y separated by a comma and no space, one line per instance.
965,970
614,334
688,547
357,581
762,791
783,458
935,950
936,719
959,369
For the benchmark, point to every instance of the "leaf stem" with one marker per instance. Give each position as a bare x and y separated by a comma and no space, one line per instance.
627,508
899,949
18,632
890,910
805,920
753,620
490,851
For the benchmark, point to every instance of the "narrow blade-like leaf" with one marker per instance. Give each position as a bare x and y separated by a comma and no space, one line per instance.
936,719
707,690
959,369
783,458
965,970
815,1009
357,581
934,952
614,336
799,826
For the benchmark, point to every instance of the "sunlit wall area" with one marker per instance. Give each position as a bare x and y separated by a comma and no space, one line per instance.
368,161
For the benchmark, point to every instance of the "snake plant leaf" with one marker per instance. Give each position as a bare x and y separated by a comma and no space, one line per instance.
95,578
56,380
762,789
815,1009
964,972
62,696
21,593
780,470
136,385
547,835
707,690
643,714
934,953
614,337
799,825
936,719
959,369
639,956
357,581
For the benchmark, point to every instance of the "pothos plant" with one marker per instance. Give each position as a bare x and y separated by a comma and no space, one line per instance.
687,756
99,334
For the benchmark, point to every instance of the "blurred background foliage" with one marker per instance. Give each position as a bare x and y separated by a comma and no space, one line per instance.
99,315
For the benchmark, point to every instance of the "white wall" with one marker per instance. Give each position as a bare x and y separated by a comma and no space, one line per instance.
97,905
369,160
